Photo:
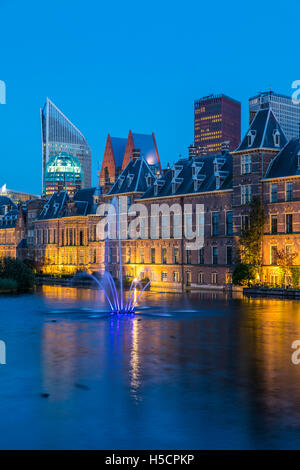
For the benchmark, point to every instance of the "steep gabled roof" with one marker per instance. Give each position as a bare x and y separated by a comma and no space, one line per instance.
54,206
185,182
133,178
145,142
9,220
286,162
84,201
263,129
57,205
118,146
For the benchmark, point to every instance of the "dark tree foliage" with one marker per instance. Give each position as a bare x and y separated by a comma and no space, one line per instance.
15,269
243,274
251,238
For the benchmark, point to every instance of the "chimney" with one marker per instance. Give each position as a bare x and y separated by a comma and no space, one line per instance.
225,146
136,154
203,151
192,151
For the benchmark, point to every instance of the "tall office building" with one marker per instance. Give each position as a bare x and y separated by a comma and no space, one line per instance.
63,173
217,119
286,113
60,135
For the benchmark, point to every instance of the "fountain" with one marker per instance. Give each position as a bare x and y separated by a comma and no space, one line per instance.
116,300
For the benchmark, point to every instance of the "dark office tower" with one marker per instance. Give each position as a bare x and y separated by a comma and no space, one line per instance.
60,135
217,119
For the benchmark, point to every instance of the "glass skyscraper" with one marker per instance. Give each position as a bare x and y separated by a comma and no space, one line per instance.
60,135
287,113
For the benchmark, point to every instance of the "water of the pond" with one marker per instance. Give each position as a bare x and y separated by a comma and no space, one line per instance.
194,372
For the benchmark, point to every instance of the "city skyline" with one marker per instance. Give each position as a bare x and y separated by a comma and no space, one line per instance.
104,86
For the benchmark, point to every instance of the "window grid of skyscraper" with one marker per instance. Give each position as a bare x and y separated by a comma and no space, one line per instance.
217,119
286,112
59,134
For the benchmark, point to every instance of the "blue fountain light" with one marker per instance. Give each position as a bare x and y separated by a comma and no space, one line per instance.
115,299
118,304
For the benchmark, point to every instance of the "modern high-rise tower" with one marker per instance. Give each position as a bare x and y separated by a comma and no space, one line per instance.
286,112
217,120
60,135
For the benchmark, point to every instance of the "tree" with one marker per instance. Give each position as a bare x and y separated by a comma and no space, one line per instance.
285,261
251,237
295,271
15,269
243,274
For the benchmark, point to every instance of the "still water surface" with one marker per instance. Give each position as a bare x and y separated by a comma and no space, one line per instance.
195,372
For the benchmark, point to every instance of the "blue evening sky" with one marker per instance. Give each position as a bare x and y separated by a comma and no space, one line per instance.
114,66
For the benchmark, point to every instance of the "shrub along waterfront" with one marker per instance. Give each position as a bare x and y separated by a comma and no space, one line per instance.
16,274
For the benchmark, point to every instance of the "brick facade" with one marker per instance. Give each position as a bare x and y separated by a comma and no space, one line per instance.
61,234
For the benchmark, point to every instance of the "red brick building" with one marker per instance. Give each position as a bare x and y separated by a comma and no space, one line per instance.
118,153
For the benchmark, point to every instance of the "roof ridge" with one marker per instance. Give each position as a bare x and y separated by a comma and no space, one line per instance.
265,129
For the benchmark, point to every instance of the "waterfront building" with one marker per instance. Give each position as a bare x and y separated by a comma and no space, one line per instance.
17,196
217,119
63,172
59,134
64,237
287,113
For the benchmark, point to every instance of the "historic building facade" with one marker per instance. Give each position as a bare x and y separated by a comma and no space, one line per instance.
61,234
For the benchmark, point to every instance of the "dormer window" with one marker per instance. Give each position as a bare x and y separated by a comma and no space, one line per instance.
276,137
129,179
196,168
250,138
120,181
148,180
157,185
220,178
176,170
218,163
175,184
198,181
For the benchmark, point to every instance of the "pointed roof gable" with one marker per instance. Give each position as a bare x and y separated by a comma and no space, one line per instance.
262,133
286,163
147,145
118,146
133,178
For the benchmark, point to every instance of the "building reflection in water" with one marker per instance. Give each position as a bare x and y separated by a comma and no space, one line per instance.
227,366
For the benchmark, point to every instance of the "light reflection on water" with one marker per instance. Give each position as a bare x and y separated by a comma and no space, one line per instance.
216,373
